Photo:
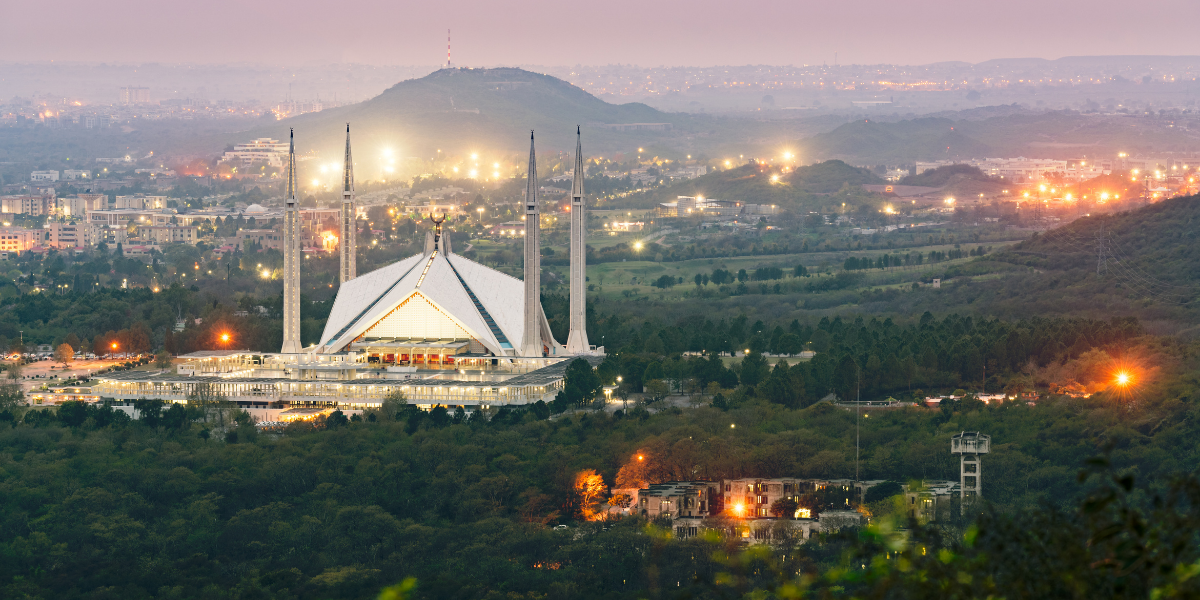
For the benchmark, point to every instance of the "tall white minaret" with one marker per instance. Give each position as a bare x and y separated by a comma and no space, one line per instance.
532,340
577,340
347,242
291,259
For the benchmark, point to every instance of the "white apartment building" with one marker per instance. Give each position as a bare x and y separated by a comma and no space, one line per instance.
29,204
141,202
79,206
272,152
68,235
73,174
43,176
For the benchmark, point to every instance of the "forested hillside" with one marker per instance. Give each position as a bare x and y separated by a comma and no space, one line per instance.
95,506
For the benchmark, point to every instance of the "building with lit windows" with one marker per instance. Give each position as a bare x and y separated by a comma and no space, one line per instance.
273,153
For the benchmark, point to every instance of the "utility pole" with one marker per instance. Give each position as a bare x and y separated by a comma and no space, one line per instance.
857,419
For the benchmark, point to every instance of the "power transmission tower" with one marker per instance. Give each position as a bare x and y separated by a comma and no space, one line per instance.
1101,261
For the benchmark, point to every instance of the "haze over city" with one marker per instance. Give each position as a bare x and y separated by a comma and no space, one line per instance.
628,300
551,33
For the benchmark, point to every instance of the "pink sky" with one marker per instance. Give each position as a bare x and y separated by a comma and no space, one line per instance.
647,33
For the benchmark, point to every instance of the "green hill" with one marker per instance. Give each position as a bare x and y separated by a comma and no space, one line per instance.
830,176
1151,252
467,110
1151,271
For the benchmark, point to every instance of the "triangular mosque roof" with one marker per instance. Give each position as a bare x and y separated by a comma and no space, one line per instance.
486,303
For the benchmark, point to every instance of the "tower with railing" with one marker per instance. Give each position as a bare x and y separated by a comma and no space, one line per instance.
970,445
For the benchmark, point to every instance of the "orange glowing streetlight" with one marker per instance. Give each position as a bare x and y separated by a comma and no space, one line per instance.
225,340
1123,378
739,509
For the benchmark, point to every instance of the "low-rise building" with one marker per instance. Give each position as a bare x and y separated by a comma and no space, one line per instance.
75,174
43,176
140,250
169,234
122,217
678,499
266,239
931,500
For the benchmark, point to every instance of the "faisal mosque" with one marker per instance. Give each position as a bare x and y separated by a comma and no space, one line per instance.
439,327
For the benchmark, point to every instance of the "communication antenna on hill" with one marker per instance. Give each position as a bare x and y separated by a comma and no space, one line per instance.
447,48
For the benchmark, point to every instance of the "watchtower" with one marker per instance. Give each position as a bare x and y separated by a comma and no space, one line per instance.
969,445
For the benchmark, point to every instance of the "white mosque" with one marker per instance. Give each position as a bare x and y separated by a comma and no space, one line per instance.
440,328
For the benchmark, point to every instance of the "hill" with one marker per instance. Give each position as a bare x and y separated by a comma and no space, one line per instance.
1150,270
467,110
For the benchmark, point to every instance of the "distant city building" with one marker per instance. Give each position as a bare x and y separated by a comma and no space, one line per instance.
29,204
124,216
135,95
266,239
168,234
78,206
19,239
1026,170
68,235
261,150
43,176
626,226
73,174
141,202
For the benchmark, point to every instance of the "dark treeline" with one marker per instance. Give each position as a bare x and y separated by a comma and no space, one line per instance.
142,320
875,356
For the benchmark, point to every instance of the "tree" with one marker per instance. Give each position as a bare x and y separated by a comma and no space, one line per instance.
754,369
14,369
589,487
11,396
337,419
581,384
784,508
393,404
163,359
64,354
657,389
204,396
